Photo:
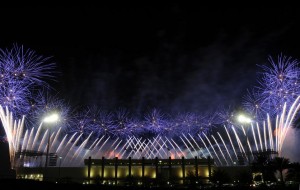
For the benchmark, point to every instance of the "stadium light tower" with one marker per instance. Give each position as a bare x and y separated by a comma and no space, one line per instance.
49,119
243,119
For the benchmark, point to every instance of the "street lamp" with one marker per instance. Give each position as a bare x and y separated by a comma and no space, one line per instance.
245,120
49,119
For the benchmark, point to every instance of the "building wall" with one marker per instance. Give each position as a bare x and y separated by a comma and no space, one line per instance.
80,174
162,170
235,171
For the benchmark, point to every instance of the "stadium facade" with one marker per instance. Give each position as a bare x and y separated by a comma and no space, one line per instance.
119,171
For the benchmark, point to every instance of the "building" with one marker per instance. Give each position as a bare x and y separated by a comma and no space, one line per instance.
122,171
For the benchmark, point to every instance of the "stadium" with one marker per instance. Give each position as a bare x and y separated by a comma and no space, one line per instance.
45,143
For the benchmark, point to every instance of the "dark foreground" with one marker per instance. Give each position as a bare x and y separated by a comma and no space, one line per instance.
11,184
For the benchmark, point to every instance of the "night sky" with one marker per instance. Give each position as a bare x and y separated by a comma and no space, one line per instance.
175,57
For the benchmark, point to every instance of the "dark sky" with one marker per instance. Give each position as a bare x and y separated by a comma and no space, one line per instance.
176,57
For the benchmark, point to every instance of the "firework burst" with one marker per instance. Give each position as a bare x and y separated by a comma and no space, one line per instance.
156,122
102,121
21,73
278,84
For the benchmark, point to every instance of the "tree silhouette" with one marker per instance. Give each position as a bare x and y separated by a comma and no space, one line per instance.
280,164
294,172
220,176
245,177
261,164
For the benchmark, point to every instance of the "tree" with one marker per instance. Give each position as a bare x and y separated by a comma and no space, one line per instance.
220,176
294,172
280,164
192,178
261,165
244,177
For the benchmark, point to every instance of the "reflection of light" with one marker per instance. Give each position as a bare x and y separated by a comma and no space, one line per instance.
153,175
206,173
122,172
180,174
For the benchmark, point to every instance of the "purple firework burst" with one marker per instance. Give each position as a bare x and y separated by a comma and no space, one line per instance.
45,104
82,123
122,123
156,122
15,96
255,104
21,73
187,123
226,116
101,121
278,84
24,65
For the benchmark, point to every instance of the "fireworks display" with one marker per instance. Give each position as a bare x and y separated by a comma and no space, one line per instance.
226,146
278,84
96,132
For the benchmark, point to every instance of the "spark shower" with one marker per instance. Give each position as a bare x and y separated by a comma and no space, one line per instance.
225,149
